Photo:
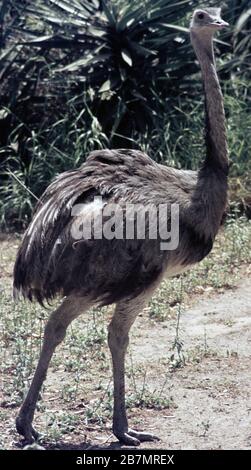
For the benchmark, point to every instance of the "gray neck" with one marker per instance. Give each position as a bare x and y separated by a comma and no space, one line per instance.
209,198
215,131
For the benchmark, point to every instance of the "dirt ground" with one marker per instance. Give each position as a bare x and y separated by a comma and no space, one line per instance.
211,392
214,396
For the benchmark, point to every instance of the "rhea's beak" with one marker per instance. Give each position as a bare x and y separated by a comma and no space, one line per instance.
220,24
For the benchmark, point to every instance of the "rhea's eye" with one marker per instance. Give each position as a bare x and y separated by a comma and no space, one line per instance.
200,16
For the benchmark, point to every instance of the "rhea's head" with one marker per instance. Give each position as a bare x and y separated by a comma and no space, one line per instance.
206,21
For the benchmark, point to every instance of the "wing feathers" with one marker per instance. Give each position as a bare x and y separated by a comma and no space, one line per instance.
47,257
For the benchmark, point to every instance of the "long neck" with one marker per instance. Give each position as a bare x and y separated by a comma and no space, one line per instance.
215,130
210,195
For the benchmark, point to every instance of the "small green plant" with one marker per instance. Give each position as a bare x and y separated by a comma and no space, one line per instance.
205,426
143,396
60,423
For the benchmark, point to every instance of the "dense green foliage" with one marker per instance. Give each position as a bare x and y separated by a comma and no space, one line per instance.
78,75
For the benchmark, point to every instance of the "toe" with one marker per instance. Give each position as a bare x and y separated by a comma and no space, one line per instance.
143,436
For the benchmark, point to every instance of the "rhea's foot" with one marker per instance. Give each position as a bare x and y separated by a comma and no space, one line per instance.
25,428
134,438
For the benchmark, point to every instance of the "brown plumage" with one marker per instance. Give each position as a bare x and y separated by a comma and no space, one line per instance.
122,271
120,268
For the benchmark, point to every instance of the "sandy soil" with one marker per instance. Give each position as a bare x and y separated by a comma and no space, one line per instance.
214,396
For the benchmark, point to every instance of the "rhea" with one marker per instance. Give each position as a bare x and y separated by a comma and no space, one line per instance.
123,271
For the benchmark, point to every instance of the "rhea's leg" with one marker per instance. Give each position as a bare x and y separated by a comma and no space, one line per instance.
118,339
54,333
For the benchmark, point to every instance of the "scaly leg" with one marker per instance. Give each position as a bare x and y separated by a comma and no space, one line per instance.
54,333
125,313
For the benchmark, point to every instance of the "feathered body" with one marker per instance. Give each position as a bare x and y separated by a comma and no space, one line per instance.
51,262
